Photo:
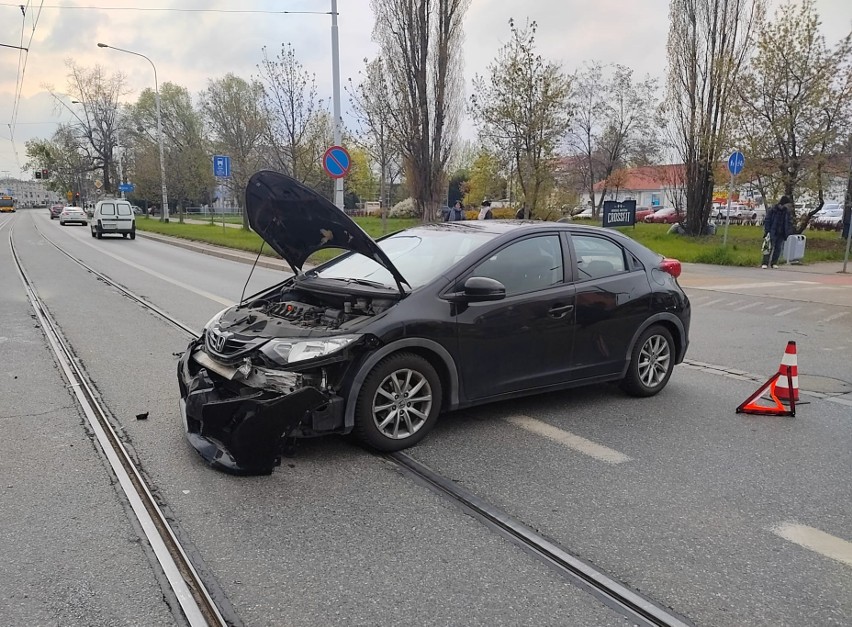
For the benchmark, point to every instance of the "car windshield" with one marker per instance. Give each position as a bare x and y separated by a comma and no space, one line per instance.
420,255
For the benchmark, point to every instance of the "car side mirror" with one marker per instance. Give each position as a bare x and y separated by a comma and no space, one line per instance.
479,289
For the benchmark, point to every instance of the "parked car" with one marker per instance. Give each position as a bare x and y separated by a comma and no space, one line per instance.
55,210
666,215
383,338
644,212
829,218
738,213
73,214
113,216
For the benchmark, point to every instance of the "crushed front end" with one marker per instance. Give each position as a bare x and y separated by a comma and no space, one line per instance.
240,429
267,370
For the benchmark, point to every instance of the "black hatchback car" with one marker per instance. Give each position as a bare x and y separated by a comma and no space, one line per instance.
383,338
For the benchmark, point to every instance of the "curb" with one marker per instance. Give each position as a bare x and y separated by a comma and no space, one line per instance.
218,251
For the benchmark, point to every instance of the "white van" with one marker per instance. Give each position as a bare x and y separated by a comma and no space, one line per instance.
113,216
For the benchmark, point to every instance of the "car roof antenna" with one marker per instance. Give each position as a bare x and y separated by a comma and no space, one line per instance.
256,259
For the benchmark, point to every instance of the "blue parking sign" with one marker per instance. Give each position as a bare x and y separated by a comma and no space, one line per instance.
221,165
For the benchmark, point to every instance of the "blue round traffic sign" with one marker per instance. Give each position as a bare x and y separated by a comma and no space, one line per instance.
736,162
336,162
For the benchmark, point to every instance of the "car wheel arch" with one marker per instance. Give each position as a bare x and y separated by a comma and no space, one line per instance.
438,356
672,324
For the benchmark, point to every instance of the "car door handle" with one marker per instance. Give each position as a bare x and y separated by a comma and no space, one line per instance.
560,311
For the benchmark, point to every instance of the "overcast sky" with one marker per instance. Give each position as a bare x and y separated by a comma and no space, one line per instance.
190,48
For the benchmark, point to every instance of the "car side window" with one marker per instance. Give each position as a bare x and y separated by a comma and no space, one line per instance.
597,257
107,209
531,264
124,210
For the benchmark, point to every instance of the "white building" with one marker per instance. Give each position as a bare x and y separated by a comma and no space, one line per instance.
30,193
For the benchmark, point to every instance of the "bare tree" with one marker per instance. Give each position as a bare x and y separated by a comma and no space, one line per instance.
613,124
421,47
371,105
524,111
290,103
100,121
233,113
709,40
796,104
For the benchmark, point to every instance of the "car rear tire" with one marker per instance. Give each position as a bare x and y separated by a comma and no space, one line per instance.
99,232
399,403
133,233
651,363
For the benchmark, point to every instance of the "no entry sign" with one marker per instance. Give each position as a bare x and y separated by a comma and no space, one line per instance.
336,162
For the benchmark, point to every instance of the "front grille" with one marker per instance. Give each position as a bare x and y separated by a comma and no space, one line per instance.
230,346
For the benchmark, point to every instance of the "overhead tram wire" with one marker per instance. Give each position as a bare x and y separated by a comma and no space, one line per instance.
22,70
175,10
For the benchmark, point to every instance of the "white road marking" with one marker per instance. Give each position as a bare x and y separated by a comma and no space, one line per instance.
697,299
818,541
835,316
788,311
741,286
566,438
713,302
733,302
771,307
806,282
744,307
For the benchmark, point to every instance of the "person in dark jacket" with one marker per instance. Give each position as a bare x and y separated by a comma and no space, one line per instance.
777,227
456,213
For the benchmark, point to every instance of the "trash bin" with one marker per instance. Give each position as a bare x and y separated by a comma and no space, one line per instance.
794,248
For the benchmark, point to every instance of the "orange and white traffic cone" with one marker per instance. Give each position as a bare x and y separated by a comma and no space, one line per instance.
782,388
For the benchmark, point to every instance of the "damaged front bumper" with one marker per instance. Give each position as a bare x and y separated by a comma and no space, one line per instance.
237,418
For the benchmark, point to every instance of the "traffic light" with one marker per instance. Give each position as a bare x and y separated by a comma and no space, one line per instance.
38,174
45,174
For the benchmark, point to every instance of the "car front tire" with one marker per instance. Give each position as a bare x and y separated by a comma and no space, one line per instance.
399,403
651,363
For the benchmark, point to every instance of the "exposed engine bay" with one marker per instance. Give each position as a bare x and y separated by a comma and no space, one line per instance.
301,308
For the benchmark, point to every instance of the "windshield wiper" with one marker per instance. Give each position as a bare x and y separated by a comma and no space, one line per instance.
368,282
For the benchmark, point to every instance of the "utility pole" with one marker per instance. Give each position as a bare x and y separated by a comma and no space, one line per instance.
847,209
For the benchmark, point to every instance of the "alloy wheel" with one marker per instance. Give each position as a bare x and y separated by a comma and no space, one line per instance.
402,404
654,361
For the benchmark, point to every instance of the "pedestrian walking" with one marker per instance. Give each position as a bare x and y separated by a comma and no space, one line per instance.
456,213
485,211
777,227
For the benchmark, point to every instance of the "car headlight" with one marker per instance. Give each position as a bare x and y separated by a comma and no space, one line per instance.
293,350
215,319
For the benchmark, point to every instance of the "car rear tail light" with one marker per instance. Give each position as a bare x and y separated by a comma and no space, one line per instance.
670,266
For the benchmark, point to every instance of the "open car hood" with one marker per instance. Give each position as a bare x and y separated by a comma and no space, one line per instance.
296,222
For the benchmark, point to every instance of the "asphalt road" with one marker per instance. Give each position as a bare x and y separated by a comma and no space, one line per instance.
675,496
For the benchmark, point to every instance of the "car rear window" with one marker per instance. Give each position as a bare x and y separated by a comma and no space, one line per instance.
108,209
124,209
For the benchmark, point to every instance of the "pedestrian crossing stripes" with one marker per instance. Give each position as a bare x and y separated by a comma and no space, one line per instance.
779,310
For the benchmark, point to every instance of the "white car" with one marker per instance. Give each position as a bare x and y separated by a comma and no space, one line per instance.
113,216
72,214
829,218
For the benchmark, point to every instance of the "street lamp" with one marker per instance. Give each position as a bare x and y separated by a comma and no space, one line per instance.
165,214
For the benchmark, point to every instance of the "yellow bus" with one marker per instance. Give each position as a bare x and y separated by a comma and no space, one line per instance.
7,204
